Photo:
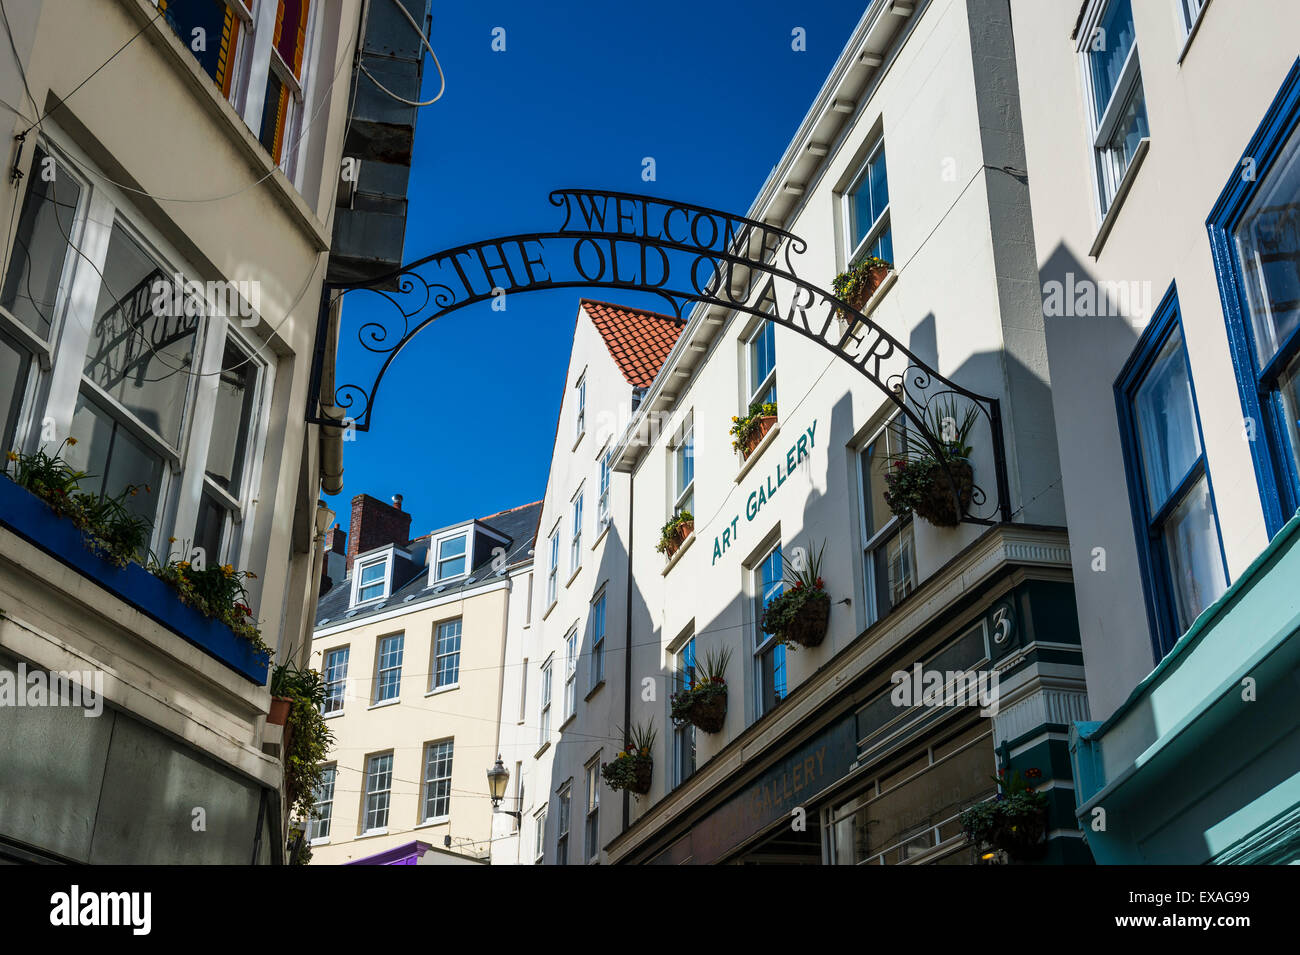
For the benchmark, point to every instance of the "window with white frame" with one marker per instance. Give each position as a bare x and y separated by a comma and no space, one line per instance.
167,396
575,544
371,579
562,829
1189,11
335,674
598,640
684,734
553,573
379,784
388,667
888,548
760,364
221,503
437,780
452,560
523,691
446,655
603,513
769,652
591,833
571,673
318,826
282,110
684,470
544,723
581,424
866,210
539,836
1117,105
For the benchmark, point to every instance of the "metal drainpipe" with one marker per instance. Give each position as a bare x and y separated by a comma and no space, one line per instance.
627,643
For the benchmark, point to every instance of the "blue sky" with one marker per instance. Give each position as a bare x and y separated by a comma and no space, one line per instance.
465,418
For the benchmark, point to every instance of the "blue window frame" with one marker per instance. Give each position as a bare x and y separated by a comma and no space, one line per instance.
1255,239
769,652
1174,520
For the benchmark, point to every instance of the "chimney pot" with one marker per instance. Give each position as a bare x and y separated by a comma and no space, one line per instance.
397,501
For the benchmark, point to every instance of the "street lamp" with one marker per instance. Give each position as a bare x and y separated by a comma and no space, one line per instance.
498,778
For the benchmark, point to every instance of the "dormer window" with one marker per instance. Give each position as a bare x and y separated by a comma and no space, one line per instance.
373,577
451,557
455,552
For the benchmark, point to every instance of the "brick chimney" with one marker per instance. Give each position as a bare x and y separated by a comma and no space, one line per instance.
375,524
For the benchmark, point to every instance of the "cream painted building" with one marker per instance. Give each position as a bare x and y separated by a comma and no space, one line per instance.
1163,148
206,147
411,643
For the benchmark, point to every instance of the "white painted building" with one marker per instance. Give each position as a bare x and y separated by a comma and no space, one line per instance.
911,151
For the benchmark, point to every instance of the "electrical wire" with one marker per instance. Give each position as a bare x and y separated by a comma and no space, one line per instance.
424,40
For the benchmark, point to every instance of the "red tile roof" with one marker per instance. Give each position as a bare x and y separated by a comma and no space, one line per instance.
638,340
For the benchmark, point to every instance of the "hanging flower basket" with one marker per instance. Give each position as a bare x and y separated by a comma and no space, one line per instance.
633,768
938,502
1014,821
808,626
710,713
801,613
856,285
703,702
935,485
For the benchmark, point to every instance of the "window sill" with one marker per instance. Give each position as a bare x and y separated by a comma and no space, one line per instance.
572,577
372,833
593,691
577,441
547,612
383,703
443,689
1191,34
331,716
541,749
435,821
754,455
1108,221
319,842
601,536
672,561
567,720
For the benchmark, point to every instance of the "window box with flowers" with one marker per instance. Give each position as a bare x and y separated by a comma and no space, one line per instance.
856,284
633,767
703,703
801,613
99,537
1014,821
749,431
934,486
674,533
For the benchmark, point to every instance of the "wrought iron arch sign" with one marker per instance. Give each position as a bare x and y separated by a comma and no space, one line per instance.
680,252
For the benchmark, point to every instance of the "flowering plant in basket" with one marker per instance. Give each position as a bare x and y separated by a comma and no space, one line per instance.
800,613
703,700
632,767
935,486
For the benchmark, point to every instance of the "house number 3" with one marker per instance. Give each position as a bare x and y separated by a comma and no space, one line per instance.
1004,623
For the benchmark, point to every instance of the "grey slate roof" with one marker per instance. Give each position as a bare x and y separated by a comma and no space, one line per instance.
518,525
